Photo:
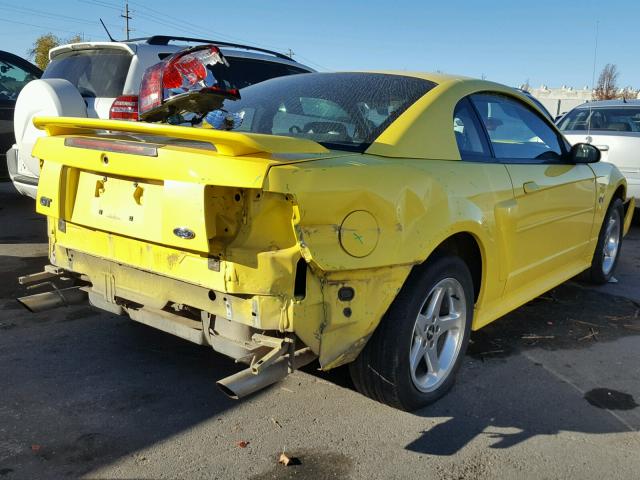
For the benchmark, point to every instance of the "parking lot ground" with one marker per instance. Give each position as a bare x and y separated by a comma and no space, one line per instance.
549,391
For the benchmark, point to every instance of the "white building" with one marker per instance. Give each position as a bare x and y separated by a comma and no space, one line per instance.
561,100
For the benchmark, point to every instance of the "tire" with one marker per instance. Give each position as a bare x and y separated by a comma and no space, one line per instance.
607,253
384,371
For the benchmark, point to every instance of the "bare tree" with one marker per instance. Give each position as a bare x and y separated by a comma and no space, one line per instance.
40,50
606,88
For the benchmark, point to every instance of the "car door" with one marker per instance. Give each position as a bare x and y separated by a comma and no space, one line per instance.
548,230
15,73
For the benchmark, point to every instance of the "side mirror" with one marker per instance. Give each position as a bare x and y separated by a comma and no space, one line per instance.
584,153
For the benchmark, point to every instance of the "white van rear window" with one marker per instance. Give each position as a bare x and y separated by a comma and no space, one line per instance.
95,73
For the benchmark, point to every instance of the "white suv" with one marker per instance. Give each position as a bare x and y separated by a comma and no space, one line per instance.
614,127
102,79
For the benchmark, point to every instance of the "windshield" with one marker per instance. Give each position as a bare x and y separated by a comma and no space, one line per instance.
95,73
613,119
345,111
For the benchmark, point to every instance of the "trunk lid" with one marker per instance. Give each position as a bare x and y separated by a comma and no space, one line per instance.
176,186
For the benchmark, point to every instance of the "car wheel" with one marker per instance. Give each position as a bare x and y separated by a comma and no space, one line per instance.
605,257
413,356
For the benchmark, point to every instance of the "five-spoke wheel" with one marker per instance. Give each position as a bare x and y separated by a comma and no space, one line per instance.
412,358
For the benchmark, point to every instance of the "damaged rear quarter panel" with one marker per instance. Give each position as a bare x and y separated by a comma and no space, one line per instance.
416,205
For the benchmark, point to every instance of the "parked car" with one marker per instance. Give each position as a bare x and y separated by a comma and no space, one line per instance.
15,73
102,80
370,219
614,127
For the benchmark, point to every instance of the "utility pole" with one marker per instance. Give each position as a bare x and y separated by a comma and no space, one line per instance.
126,17
290,54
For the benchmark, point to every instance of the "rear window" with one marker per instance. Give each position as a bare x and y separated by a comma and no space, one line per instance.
247,71
344,111
95,73
613,119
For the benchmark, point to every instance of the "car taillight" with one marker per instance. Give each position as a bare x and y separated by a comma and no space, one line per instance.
151,88
125,107
185,83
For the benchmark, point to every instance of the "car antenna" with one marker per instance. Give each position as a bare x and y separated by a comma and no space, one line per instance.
105,29
593,78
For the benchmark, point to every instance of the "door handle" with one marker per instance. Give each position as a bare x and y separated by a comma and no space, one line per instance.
530,187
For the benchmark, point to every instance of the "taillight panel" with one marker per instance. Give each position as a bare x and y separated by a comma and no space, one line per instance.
185,83
125,107
151,88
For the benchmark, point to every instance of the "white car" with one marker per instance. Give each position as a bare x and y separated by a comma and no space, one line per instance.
614,127
102,80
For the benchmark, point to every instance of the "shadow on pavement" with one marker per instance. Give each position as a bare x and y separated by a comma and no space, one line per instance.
81,388
20,222
513,405
95,388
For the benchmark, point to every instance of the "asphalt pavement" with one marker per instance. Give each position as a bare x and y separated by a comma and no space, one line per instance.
549,391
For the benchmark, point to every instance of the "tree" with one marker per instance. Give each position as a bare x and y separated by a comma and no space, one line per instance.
44,43
606,88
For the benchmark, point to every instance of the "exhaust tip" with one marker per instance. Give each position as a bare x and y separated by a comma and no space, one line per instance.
227,391
25,304
40,302
245,382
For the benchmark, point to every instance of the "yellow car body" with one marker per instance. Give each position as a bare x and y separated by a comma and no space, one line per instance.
267,209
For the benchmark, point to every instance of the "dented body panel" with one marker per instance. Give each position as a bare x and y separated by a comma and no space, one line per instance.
265,232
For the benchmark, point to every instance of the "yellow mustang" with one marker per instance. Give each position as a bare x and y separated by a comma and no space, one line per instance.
370,218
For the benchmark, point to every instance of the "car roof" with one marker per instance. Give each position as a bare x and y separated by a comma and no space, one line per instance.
424,129
610,103
133,46
435,77
21,62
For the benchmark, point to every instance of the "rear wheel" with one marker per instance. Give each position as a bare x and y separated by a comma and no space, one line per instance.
607,253
413,356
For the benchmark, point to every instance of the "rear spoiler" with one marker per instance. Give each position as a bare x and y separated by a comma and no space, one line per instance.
226,143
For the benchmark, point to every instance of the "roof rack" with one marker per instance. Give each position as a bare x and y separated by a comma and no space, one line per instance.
165,39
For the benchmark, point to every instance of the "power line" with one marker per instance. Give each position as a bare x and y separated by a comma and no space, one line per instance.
50,15
48,28
182,25
100,4
154,16
158,17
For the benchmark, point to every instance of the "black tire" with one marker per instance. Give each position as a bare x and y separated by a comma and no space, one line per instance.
597,273
382,371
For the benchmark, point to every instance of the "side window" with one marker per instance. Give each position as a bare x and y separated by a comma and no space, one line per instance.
470,139
12,80
515,131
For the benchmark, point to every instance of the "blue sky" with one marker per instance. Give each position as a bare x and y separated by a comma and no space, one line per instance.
549,42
